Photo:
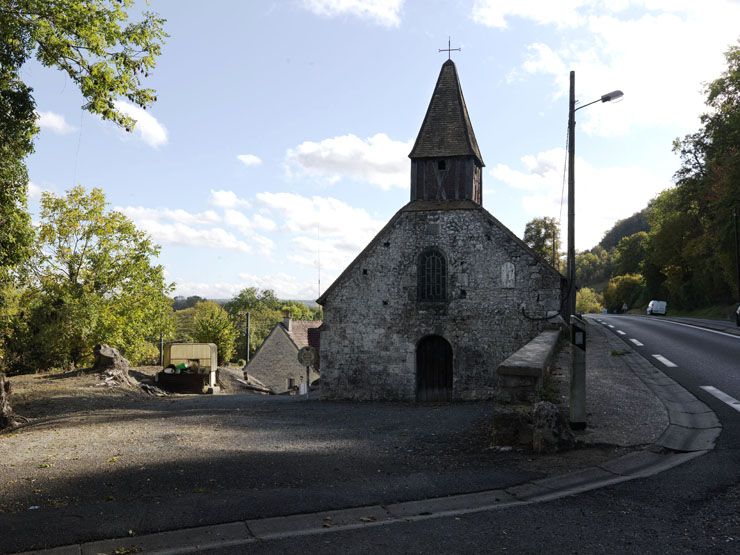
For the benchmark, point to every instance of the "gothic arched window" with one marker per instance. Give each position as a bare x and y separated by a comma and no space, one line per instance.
432,273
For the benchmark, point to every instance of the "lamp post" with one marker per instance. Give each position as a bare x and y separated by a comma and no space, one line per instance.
577,325
571,304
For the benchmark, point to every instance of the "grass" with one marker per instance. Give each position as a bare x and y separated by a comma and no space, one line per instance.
717,312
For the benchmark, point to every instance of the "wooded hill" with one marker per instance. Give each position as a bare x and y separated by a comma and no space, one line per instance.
682,246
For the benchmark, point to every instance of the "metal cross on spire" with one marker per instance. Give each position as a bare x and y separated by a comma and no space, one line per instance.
449,50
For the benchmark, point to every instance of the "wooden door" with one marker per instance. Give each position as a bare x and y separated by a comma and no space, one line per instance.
433,369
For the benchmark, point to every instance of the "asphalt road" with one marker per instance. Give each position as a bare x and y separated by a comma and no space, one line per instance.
696,357
694,508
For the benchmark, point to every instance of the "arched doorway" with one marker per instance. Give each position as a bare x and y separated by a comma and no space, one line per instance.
433,369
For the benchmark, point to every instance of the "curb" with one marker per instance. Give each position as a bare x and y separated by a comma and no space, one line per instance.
692,432
693,426
638,464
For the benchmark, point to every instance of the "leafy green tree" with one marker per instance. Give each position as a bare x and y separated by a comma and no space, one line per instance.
593,267
543,236
623,290
588,301
623,228
630,253
93,282
265,310
211,324
99,49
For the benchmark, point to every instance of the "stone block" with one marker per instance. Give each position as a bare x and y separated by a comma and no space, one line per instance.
512,425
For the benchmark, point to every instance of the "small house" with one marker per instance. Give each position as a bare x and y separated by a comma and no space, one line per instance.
275,364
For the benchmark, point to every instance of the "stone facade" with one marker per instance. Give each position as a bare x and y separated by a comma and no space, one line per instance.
444,293
373,319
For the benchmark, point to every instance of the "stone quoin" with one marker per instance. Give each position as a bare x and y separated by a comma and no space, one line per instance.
445,292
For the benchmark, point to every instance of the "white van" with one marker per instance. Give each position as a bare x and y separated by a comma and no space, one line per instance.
657,307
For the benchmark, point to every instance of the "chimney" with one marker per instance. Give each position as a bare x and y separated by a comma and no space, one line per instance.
287,321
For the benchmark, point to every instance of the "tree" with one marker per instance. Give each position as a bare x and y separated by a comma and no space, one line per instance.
103,53
543,237
628,226
623,290
588,301
93,282
265,310
630,253
211,324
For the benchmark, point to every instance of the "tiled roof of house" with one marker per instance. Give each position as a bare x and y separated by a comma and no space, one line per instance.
446,130
300,330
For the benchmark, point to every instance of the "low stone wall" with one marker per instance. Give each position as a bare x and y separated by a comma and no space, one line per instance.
519,377
521,373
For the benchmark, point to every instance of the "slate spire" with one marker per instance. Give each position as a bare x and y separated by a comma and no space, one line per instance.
446,130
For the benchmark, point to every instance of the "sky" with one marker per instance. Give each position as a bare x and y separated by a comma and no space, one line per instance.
278,146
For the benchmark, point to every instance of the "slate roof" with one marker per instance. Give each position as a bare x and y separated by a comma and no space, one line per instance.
300,332
446,129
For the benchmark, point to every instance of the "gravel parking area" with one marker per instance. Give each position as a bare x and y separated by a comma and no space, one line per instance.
103,463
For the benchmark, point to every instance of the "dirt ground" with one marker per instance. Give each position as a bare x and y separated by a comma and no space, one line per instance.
92,443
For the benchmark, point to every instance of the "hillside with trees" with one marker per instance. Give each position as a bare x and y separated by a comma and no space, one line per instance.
683,246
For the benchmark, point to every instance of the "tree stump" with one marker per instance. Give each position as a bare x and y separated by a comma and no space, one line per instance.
113,367
8,419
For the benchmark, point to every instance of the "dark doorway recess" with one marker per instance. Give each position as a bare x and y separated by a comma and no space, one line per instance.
433,369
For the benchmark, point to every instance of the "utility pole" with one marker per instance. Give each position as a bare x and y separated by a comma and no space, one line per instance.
737,252
246,336
571,304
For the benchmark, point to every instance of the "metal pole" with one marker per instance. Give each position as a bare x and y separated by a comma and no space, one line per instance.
571,304
737,252
246,337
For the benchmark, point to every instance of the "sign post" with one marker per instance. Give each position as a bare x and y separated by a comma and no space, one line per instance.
578,373
307,358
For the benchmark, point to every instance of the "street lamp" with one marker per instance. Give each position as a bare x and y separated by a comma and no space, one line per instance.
571,304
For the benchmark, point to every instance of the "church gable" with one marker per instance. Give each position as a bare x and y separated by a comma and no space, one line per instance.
445,292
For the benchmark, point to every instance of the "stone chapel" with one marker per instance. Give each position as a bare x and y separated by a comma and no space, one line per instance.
445,292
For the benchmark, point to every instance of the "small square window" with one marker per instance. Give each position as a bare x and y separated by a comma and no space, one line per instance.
442,165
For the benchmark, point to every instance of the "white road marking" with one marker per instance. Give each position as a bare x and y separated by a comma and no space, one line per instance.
699,328
612,327
665,361
620,332
636,342
722,396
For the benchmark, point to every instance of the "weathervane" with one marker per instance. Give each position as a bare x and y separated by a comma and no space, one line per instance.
449,50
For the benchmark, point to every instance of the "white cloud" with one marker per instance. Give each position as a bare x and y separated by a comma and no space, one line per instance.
179,227
378,160
603,195
285,286
494,13
147,127
54,123
249,159
339,231
227,199
139,213
246,225
208,290
383,12
34,191
658,52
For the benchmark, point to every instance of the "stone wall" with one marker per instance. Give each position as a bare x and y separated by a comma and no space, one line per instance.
373,321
